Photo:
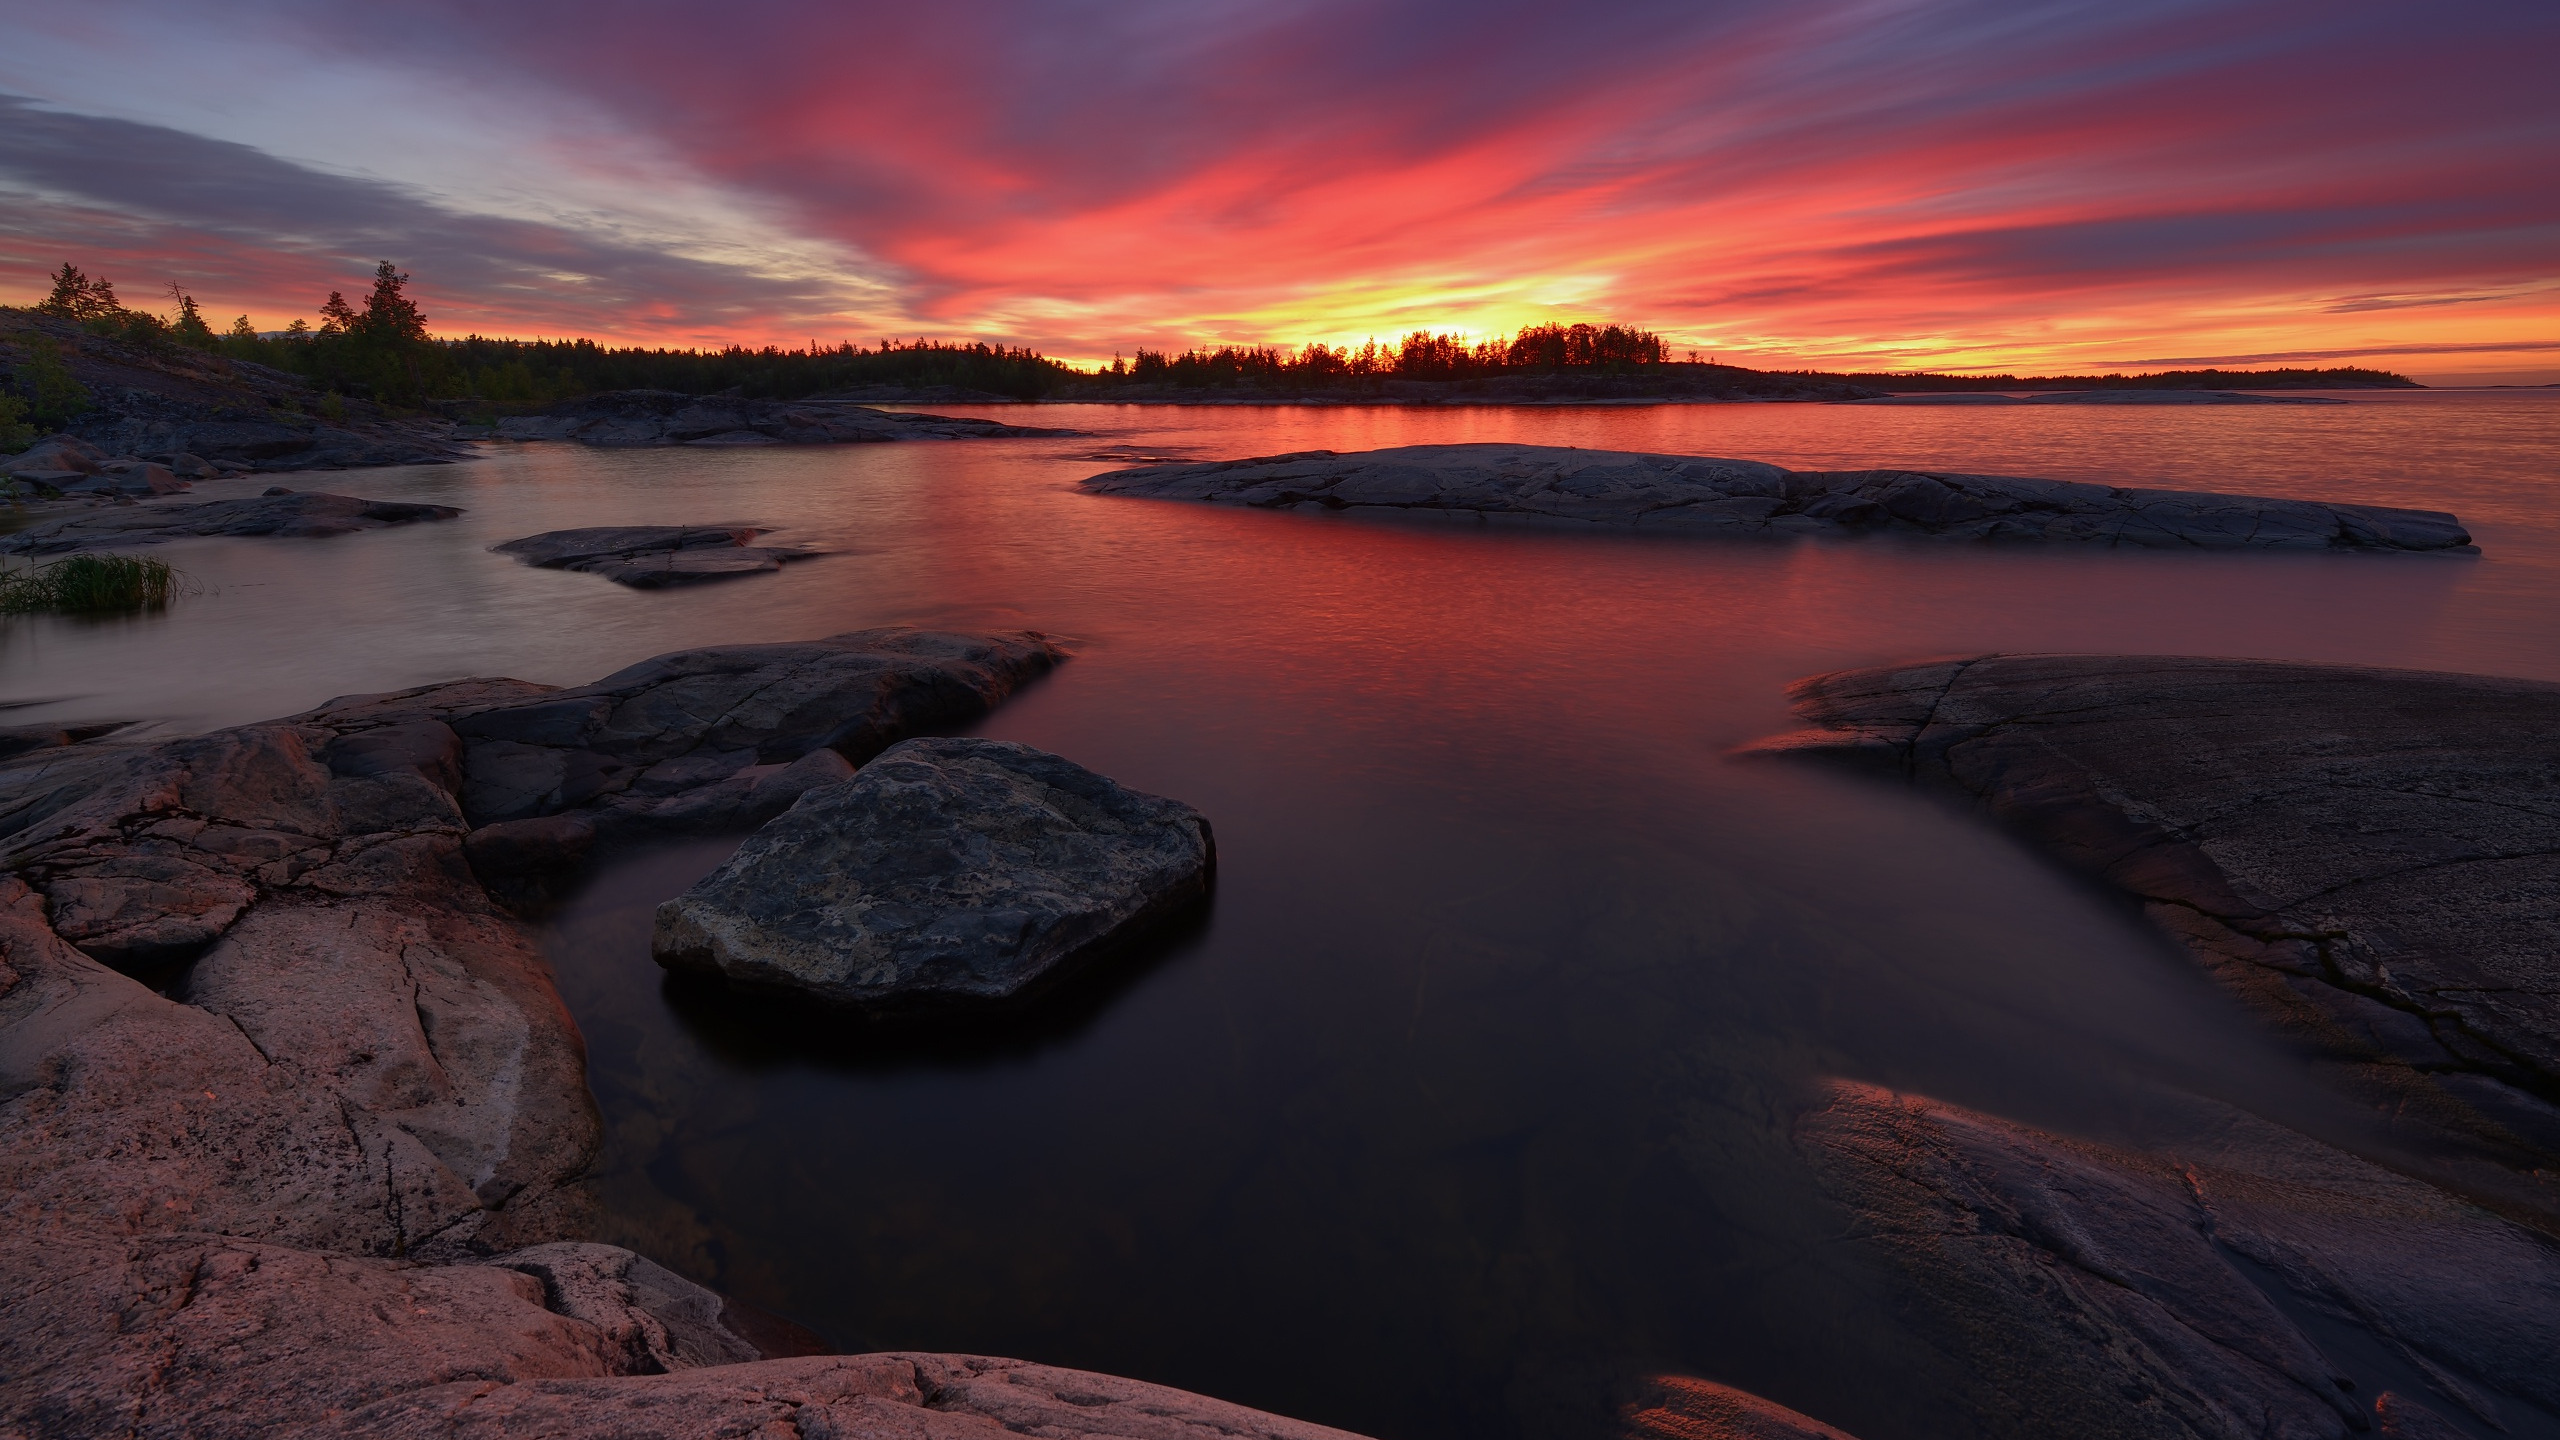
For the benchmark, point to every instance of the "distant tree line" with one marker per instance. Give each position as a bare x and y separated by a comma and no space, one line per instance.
1422,355
2342,377
380,350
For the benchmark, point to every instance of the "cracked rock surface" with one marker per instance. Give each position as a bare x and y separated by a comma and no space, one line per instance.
651,557
328,1180
947,872
1685,494
1682,1407
2236,1288
628,418
296,516
2370,856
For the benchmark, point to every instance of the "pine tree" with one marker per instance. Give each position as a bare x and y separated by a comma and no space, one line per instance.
336,316
389,313
189,326
77,297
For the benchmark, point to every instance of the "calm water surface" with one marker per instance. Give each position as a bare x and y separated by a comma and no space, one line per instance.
1469,1100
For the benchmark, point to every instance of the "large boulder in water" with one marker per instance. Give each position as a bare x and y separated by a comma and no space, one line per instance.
947,871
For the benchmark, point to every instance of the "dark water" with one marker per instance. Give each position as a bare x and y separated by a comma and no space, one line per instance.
1468,1101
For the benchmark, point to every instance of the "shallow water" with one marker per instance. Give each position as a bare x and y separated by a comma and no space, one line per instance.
1468,1101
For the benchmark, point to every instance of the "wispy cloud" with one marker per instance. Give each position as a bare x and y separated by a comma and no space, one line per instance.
1966,181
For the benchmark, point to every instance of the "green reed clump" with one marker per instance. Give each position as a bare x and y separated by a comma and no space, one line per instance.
90,584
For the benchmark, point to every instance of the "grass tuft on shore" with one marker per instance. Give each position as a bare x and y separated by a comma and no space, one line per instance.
90,585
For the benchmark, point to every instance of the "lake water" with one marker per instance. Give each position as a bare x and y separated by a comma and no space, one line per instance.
1469,1100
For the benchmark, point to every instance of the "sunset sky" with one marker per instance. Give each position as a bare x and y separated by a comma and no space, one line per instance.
1884,184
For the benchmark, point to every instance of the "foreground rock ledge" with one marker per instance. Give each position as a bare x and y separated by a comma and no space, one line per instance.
1687,494
331,1182
2251,1283
2371,856
948,872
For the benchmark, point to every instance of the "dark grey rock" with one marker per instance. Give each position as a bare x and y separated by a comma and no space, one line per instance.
719,713
19,739
627,418
652,557
2370,856
2075,1289
304,515
947,871
136,478
56,454
1695,494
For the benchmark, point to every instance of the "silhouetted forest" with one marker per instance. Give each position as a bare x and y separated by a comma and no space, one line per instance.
2343,377
1422,355
380,350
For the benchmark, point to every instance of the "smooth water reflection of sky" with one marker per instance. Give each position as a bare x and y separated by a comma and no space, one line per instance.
1470,1097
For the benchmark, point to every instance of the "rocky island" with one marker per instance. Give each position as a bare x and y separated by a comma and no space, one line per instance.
1697,495
653,557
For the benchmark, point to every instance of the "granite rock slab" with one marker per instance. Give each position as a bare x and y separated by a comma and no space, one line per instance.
306,515
2249,1282
652,557
2370,857
947,872
1688,494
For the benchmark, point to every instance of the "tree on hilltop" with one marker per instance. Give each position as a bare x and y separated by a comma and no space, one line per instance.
336,316
190,325
77,297
389,313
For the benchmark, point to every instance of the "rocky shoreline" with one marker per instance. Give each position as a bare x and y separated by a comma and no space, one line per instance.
2366,858
294,1128
1697,495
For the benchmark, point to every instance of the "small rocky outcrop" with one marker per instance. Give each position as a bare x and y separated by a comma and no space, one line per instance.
653,557
282,513
1684,494
642,418
947,872
2251,1283
2367,855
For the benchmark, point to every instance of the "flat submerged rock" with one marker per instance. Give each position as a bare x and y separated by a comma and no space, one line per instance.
1688,494
948,872
294,516
625,419
652,557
